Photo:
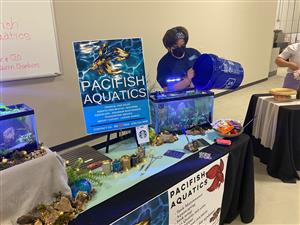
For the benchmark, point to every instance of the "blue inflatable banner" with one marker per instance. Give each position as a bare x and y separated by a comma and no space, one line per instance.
112,83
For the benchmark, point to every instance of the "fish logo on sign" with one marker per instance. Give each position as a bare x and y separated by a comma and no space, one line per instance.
107,60
229,83
215,173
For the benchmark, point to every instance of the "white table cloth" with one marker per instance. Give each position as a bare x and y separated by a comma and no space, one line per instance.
26,185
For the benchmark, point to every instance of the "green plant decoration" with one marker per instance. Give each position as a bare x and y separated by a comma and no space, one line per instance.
76,173
4,110
152,135
28,138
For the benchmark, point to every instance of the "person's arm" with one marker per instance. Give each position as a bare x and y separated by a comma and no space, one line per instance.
173,86
284,63
186,82
283,59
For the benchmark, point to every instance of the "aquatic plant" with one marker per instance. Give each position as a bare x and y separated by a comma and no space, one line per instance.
4,152
28,138
76,173
4,110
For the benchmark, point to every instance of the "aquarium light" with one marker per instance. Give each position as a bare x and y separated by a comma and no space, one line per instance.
173,80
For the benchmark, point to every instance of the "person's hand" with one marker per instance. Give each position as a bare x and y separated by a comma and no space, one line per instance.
190,74
297,74
293,66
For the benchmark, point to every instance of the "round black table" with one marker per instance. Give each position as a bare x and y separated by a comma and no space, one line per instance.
283,160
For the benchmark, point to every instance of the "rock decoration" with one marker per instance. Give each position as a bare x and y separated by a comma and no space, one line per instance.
165,137
60,212
193,146
19,157
197,130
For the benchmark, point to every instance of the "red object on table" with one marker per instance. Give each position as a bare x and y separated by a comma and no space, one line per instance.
221,141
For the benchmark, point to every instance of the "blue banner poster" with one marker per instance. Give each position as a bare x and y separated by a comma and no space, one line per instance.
197,199
112,83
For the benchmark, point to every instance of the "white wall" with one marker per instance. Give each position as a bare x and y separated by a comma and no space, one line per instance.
237,30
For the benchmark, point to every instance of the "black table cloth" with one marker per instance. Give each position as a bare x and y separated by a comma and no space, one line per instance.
238,197
283,160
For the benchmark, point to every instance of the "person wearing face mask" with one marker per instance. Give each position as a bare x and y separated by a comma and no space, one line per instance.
175,68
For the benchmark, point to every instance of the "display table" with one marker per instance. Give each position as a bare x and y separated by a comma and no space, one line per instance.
26,185
121,194
275,135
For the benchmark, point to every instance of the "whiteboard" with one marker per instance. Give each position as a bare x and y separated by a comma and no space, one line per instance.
28,40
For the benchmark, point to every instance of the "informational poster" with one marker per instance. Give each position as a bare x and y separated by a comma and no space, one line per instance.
112,83
195,200
154,212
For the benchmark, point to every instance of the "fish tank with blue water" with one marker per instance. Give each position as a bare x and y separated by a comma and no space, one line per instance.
17,129
173,111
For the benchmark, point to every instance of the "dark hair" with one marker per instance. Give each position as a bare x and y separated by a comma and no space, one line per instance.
172,35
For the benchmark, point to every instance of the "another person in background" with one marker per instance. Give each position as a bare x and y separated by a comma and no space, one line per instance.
175,68
290,57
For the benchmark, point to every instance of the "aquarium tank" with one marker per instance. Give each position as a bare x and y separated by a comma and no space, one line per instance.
17,129
173,111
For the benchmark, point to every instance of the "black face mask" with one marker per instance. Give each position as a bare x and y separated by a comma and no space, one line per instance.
178,52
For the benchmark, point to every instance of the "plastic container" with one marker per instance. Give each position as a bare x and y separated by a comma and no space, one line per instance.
173,111
17,129
212,72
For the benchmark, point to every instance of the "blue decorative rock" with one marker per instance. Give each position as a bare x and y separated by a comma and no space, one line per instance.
81,185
